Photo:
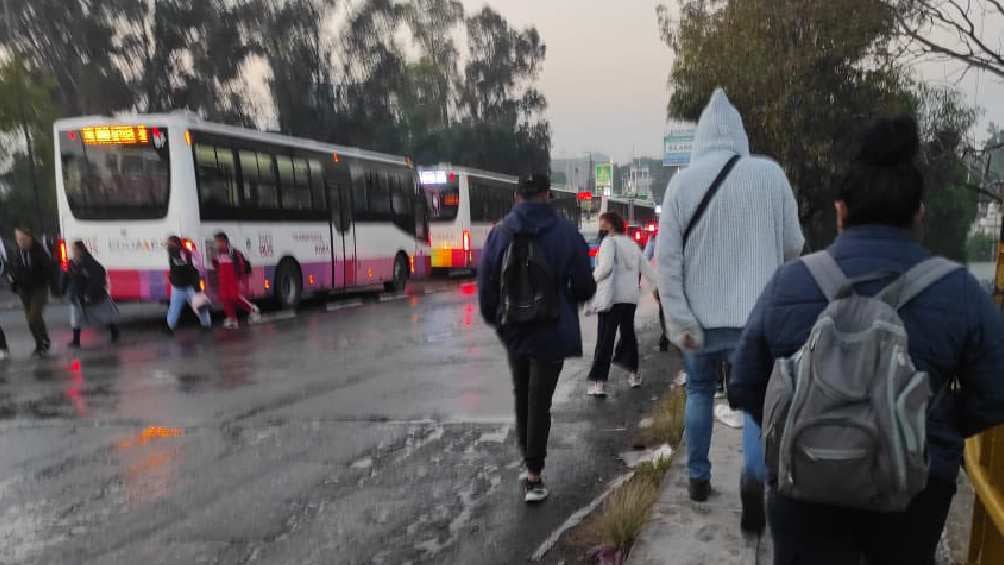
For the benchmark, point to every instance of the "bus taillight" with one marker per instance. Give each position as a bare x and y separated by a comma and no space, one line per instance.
467,240
64,255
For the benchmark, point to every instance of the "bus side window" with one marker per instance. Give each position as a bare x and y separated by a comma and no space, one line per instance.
477,199
359,206
378,193
317,185
217,176
268,192
297,195
249,176
403,200
284,165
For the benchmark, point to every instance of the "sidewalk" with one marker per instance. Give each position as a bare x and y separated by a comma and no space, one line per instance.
683,532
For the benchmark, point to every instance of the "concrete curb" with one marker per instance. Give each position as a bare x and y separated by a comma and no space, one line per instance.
683,532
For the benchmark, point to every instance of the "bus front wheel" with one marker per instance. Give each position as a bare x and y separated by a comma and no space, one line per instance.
400,279
288,285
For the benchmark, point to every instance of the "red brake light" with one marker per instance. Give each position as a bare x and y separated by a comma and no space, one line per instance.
467,240
64,256
650,227
637,236
188,245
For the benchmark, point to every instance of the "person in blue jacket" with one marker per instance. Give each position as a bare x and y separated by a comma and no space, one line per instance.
537,352
956,334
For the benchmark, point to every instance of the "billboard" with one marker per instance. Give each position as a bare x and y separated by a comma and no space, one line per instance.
678,143
604,178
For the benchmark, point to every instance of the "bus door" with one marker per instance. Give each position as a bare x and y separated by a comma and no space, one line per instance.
343,246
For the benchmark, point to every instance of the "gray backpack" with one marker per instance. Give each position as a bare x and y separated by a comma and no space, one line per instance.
844,418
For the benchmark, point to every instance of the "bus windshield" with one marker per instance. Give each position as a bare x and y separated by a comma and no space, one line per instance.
442,195
120,173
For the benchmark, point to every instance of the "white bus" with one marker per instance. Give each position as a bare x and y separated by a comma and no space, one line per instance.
311,217
464,204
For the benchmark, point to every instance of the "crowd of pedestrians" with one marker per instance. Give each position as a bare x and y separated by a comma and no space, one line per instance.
33,275
868,362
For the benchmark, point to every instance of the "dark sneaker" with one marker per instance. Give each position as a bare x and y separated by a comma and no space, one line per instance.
663,344
39,352
534,492
754,516
700,490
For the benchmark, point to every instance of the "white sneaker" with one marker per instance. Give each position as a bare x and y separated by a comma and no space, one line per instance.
255,316
523,476
230,324
535,492
634,380
597,388
4,354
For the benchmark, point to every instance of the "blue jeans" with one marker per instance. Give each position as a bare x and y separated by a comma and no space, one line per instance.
181,297
704,370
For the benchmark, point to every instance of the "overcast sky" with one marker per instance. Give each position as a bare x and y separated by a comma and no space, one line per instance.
606,70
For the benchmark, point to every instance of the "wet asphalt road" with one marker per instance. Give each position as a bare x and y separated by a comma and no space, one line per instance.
376,433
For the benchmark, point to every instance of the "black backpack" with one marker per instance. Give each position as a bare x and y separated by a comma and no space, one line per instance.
529,288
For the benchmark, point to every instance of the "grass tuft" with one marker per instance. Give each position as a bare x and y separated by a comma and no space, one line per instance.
624,513
667,420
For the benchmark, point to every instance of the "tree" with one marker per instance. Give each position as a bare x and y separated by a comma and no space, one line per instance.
951,204
27,110
432,23
501,106
288,35
954,29
73,41
187,54
804,76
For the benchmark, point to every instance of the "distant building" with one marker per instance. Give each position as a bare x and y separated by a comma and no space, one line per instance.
988,220
577,172
639,180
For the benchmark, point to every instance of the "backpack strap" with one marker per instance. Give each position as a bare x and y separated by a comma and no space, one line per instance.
916,280
828,275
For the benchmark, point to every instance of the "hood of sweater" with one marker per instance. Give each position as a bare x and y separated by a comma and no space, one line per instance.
720,129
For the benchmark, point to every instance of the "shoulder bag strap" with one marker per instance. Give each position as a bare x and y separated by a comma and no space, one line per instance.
712,190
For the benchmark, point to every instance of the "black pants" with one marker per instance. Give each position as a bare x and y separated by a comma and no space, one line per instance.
3,341
625,354
34,301
533,384
814,534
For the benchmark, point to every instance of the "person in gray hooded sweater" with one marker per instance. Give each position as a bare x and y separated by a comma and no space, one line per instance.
717,249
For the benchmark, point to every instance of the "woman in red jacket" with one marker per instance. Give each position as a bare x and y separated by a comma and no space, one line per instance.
232,271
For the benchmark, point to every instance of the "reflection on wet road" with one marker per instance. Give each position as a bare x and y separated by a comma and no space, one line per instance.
378,433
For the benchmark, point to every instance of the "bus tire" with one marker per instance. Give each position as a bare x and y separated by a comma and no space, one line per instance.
400,280
288,285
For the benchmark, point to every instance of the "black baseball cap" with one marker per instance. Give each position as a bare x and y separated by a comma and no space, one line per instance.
535,184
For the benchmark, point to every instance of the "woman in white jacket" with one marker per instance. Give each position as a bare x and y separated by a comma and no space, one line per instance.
619,268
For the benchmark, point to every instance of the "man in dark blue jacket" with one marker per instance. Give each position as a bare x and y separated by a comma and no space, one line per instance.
537,351
956,335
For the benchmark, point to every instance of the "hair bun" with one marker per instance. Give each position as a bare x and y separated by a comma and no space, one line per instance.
890,141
